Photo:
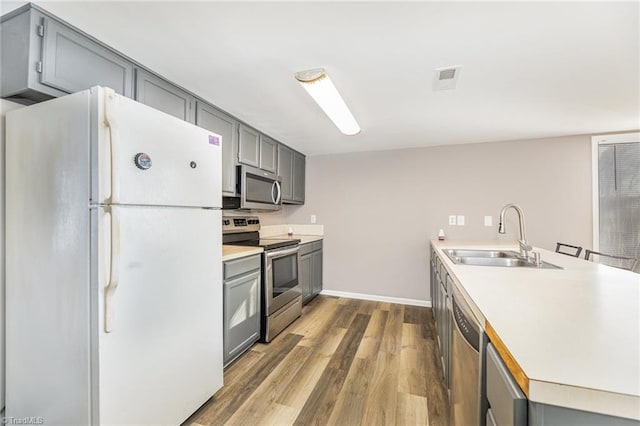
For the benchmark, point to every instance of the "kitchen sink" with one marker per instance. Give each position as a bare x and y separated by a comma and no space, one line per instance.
481,253
508,259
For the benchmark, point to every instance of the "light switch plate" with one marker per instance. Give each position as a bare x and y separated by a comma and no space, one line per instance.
452,220
314,218
488,221
460,220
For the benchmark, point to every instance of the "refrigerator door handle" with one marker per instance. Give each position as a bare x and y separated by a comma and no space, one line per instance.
110,115
114,270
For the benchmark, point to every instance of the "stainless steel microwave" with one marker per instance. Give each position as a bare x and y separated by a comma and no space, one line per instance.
259,190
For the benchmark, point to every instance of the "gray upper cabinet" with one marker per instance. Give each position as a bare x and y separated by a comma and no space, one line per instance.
268,154
43,58
164,96
248,146
220,123
285,171
291,167
299,165
72,62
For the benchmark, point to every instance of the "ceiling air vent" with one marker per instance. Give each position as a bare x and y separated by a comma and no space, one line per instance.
446,78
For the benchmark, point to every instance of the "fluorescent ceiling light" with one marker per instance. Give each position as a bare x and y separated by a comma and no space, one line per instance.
318,84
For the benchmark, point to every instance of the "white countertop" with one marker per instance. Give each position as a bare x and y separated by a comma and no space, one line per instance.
270,231
575,332
230,252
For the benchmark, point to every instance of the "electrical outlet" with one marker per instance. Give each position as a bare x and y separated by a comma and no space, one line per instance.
314,218
460,220
452,220
488,221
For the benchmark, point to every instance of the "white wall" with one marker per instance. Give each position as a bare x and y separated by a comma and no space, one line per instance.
4,107
380,209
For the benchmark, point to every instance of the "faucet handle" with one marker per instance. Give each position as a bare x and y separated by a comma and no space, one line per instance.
524,245
536,258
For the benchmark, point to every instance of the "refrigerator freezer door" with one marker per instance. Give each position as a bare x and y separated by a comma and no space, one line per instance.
162,358
146,157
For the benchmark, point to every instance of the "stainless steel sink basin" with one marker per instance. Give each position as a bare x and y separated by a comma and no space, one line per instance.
508,259
481,253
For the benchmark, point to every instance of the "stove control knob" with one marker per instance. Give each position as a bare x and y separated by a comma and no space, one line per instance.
142,161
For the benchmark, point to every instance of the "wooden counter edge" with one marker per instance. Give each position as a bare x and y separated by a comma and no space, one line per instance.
508,359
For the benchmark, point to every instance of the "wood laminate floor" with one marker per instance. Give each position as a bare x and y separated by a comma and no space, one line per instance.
344,362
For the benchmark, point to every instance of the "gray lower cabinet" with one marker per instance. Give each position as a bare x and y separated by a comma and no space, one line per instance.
440,286
311,270
316,275
551,415
248,146
268,154
241,305
507,403
49,59
160,94
441,302
306,272
227,127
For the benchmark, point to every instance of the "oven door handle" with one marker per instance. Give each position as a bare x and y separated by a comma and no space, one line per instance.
281,253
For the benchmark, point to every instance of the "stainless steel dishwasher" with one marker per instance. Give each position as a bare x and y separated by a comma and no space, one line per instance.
468,343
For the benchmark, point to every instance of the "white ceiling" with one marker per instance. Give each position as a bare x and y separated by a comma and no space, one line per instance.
529,70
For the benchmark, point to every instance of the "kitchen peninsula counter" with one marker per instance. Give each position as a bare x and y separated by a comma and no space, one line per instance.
230,252
573,332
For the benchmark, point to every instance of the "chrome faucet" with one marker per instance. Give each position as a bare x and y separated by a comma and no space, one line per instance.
525,248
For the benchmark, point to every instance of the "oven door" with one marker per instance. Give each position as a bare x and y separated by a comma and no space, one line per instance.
281,278
259,190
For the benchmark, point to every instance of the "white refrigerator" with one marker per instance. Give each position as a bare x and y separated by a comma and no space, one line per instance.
113,263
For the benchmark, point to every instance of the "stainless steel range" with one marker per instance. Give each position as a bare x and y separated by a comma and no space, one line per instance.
281,292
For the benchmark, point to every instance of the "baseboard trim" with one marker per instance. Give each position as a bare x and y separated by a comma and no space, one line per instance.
376,298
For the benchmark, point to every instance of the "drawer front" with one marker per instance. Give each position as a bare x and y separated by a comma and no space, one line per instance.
241,266
508,403
317,245
306,249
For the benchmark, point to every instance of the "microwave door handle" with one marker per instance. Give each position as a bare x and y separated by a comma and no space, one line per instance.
278,197
273,197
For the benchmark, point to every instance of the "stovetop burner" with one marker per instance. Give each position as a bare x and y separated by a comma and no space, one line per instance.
267,243
243,231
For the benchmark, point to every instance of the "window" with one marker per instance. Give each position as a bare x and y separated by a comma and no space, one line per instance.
616,194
